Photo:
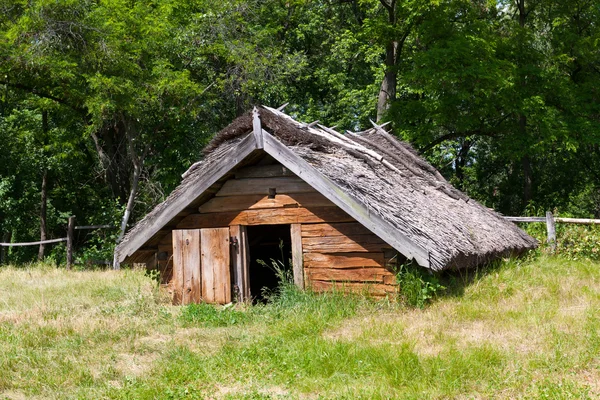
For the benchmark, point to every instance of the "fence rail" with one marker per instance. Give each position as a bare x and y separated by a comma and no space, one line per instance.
69,239
34,243
550,221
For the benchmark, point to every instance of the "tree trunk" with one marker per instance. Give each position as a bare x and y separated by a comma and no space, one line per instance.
460,163
4,250
387,92
527,180
44,196
43,212
138,163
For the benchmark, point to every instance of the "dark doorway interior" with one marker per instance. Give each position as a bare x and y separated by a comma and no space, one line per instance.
264,244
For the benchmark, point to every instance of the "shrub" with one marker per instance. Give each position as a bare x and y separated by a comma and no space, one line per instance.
417,287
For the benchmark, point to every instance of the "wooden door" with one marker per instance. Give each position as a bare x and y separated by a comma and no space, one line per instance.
186,266
215,262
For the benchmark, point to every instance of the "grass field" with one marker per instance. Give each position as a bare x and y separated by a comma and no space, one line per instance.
523,329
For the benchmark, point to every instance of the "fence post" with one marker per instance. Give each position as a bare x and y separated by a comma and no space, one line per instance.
70,229
551,229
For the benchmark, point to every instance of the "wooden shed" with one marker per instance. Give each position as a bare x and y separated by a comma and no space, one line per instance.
344,208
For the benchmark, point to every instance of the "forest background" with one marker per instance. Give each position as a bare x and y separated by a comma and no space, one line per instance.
105,103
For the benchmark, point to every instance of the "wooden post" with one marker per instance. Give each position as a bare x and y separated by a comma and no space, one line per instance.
239,259
297,262
70,229
551,229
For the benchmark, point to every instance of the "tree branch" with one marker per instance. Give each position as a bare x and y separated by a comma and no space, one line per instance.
44,95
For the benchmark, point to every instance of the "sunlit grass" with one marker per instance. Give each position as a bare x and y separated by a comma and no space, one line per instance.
520,329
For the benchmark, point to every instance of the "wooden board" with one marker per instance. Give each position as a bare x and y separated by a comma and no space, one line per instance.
186,266
245,187
348,274
343,244
240,262
216,278
373,289
343,260
259,201
263,171
336,229
265,217
297,263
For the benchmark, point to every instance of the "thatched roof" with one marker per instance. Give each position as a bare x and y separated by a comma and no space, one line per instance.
377,179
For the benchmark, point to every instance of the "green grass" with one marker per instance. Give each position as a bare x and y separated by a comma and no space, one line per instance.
522,329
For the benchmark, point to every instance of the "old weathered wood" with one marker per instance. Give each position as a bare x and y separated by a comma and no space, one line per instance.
339,229
216,277
343,260
348,274
245,187
263,171
240,261
373,289
70,226
187,266
357,210
525,219
551,229
178,274
343,244
297,259
212,174
577,221
8,244
273,216
84,227
251,202
257,130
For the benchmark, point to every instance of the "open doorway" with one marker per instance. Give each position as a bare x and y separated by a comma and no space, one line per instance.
266,243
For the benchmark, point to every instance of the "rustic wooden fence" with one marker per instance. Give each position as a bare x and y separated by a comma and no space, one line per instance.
550,221
71,228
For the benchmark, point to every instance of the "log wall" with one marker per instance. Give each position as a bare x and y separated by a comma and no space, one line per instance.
337,251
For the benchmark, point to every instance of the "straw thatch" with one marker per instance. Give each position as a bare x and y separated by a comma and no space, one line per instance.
408,203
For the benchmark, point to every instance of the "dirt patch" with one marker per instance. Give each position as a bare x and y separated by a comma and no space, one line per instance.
202,340
134,364
432,331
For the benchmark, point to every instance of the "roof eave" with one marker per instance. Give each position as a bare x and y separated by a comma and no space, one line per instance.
235,156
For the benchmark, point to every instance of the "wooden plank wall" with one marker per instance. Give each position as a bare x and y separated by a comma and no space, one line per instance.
346,256
335,248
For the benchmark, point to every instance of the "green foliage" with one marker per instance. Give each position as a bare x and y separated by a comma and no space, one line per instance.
417,287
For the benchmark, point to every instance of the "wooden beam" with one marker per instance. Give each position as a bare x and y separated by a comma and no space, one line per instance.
551,229
343,260
374,222
212,174
240,261
373,289
297,262
255,202
257,130
336,229
348,274
274,216
343,244
263,171
70,226
253,186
